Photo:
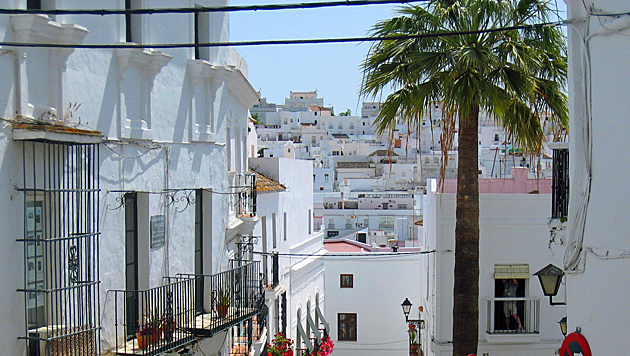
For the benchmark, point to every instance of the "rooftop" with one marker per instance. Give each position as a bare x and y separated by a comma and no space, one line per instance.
265,184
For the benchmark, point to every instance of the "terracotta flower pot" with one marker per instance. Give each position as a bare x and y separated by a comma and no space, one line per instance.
222,310
143,341
167,332
414,347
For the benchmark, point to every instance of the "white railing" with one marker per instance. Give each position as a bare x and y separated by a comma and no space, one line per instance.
527,310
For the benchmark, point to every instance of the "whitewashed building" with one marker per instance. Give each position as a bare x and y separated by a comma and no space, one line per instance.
126,183
596,258
364,289
514,238
291,250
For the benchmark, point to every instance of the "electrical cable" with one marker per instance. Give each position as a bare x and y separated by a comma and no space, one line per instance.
202,9
282,42
370,254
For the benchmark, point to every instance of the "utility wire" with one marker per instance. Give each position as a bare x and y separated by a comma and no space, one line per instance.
281,42
185,10
369,254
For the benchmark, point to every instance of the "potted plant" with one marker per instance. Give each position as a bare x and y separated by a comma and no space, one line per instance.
281,346
146,334
414,343
223,303
168,326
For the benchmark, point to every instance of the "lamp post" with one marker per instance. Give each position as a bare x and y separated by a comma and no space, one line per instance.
563,326
415,325
550,278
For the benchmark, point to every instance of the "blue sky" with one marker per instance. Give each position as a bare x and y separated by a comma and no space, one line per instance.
331,69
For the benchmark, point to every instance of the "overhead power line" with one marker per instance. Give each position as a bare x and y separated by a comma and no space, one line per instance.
280,42
187,10
355,254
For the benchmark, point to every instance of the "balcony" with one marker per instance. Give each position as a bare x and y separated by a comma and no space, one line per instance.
243,197
227,298
154,321
528,310
188,307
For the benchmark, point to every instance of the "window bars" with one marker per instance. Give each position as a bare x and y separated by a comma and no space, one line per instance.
61,247
560,184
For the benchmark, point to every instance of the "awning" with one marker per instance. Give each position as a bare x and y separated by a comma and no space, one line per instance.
322,320
305,338
519,271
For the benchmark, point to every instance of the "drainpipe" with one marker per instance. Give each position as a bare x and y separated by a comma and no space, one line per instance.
18,87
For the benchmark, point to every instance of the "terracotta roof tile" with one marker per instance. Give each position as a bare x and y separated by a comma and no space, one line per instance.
267,185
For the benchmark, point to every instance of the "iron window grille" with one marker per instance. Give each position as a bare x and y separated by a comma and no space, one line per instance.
61,247
560,184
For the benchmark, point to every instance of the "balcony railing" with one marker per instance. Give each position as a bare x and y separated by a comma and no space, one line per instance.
527,309
156,320
243,197
232,297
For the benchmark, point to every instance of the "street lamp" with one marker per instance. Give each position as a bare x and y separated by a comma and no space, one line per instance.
563,326
550,278
414,329
406,307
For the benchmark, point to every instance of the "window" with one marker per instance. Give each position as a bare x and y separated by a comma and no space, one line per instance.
202,34
326,177
34,4
313,177
347,327
310,219
346,281
273,230
61,239
560,185
284,222
402,206
133,23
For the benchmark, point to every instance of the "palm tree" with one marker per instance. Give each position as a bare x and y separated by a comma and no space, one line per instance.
515,75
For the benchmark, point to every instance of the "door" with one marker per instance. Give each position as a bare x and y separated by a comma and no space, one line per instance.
131,263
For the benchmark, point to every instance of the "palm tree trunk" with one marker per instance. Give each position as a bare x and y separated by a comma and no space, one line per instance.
466,288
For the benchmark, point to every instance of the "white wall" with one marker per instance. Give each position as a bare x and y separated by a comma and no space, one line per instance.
302,277
513,229
165,155
596,293
381,284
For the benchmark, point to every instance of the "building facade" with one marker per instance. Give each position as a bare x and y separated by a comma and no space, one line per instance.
126,176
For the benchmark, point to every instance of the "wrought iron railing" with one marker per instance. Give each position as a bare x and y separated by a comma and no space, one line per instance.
232,297
244,196
500,319
156,320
